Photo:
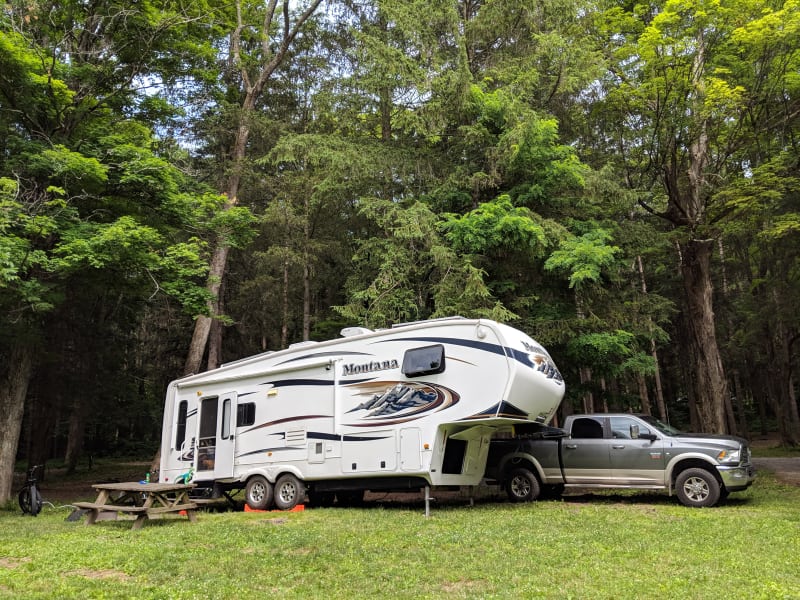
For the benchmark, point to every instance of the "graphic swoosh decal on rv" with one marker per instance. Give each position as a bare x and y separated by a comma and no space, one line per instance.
292,382
320,354
543,364
501,409
315,436
392,402
286,420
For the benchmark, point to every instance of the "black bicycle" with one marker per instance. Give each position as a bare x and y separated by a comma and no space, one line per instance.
30,500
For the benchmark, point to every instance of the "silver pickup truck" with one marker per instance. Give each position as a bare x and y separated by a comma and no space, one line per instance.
619,451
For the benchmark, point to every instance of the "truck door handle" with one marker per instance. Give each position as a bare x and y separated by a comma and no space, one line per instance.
618,447
572,446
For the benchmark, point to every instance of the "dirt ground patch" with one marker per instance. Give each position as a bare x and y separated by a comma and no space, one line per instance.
58,488
786,470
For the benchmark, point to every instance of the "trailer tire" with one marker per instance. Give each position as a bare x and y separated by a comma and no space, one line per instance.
288,492
258,492
697,488
522,485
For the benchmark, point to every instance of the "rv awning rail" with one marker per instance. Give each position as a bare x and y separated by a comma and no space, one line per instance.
200,380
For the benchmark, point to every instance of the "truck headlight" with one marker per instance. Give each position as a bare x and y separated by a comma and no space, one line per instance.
729,456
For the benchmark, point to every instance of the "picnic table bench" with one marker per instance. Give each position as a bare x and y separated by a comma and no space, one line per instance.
145,500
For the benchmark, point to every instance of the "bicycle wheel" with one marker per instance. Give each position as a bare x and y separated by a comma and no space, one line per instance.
25,500
30,500
36,501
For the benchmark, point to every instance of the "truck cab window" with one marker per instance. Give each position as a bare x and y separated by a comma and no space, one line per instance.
621,428
586,428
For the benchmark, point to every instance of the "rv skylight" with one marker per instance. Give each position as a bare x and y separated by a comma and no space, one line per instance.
428,360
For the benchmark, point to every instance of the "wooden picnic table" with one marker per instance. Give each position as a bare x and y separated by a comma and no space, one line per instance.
145,500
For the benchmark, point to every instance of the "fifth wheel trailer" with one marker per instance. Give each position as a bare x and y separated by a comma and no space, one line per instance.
393,409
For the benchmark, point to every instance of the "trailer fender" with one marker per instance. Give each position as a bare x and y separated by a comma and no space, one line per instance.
275,471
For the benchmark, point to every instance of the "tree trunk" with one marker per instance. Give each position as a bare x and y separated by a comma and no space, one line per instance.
588,397
644,395
285,300
707,376
13,390
307,273
662,409
660,403
202,326
784,398
306,301
738,393
216,334
75,435
603,394
272,57
214,345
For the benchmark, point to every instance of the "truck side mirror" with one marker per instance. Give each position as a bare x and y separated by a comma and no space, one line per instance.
637,435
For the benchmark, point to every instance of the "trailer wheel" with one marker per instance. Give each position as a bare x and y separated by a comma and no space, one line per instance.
522,485
697,487
258,493
288,492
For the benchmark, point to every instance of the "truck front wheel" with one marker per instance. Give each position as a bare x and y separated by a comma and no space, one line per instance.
522,485
697,488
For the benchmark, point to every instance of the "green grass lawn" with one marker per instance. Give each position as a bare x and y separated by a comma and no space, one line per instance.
595,546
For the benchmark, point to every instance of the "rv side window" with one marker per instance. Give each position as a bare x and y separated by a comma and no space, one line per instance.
180,428
226,419
208,420
246,414
427,360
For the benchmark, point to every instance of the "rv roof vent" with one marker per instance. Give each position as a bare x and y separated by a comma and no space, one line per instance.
301,344
351,331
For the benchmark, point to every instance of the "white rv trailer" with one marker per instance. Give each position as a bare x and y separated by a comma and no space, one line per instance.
395,409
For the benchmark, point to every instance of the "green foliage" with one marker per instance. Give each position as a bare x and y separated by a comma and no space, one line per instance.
412,273
584,257
68,169
612,353
402,167
513,148
494,225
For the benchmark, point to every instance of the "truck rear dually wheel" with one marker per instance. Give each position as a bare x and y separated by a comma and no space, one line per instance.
697,487
522,485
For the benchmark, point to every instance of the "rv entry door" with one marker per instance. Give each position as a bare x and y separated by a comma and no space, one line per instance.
216,439
226,440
